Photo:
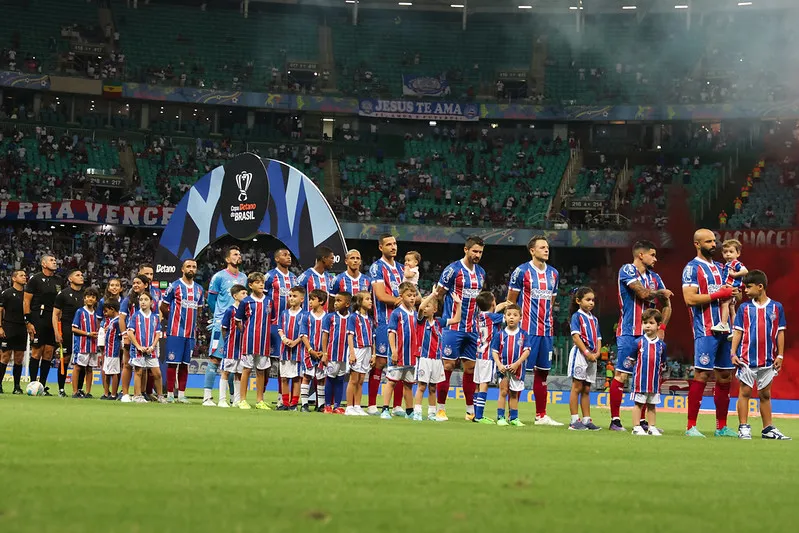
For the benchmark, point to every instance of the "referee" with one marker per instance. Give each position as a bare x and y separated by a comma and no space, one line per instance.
66,304
37,304
13,339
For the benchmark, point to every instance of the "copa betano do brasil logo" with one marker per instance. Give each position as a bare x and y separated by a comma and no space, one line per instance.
243,211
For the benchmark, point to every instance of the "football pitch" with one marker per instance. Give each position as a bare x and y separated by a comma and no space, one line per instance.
85,465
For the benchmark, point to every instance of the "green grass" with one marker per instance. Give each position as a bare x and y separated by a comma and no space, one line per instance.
85,465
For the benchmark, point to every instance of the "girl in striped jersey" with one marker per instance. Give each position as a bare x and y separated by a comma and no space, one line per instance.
144,330
583,357
311,335
360,339
646,376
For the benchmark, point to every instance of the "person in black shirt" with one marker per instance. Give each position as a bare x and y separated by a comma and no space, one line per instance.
66,304
37,304
13,337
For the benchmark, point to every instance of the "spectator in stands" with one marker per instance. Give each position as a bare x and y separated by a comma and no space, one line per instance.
769,213
738,204
723,219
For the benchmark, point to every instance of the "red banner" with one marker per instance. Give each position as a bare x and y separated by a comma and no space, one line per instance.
761,238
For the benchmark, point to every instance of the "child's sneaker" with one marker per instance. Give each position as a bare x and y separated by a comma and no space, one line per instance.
399,411
372,410
305,409
516,422
745,432
720,328
591,426
349,411
244,405
161,399
773,433
209,403
417,417
615,425
126,398
139,399
184,400
644,424
655,432
359,410
484,420
578,426
386,414
338,411
262,406
638,431
441,416
327,409
502,421
223,403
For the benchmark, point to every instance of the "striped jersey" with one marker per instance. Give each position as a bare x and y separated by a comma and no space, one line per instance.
88,321
346,283
335,325
729,268
311,327
253,313
185,301
312,280
220,285
360,327
390,276
489,324
630,306
403,323
537,288
466,283
646,374
232,348
130,304
759,325
146,328
510,345
586,325
113,338
278,285
428,333
291,323
708,278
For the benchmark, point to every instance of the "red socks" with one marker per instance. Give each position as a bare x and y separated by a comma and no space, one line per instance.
294,401
183,377
468,388
171,371
616,393
397,394
375,375
696,390
442,389
540,392
721,397
285,399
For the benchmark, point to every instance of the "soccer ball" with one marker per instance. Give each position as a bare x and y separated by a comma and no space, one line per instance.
34,388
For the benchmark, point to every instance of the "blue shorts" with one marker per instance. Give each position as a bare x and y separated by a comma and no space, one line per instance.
712,352
458,345
179,350
216,337
626,353
381,341
274,341
540,352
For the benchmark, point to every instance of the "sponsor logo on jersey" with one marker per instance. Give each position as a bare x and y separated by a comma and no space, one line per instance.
470,293
540,294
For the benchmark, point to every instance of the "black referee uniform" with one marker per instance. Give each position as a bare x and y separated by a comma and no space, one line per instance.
44,290
16,338
68,301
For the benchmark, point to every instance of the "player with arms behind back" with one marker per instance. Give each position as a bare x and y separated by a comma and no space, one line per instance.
758,345
639,288
537,283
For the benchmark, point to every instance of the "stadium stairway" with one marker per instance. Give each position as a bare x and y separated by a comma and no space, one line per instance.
569,178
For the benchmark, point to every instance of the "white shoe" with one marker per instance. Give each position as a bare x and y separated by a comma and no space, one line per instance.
139,399
639,431
184,400
546,421
349,411
720,328
655,432
126,399
359,410
209,403
399,411
223,403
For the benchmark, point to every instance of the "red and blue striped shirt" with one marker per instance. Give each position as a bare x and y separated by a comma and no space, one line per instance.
232,348
184,301
729,268
311,327
759,326
85,320
390,276
291,324
346,283
278,285
335,325
586,325
360,327
489,324
537,288
708,278
113,338
312,280
146,328
646,374
467,283
428,333
254,314
402,322
630,306
510,345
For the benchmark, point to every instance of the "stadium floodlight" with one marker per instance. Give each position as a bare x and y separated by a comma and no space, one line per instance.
744,3
432,123
629,7
349,1
457,5
404,3
525,7
681,6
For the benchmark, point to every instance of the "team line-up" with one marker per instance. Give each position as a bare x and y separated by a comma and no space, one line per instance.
318,329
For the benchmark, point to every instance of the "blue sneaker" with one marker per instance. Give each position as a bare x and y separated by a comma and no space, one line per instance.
578,426
591,426
693,432
725,432
386,414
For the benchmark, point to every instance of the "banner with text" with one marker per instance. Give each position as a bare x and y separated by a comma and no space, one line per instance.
418,110
86,212
761,238
423,86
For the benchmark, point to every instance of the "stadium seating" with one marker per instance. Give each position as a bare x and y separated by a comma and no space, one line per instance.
768,192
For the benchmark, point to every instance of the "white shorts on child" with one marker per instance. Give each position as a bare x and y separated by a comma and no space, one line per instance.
231,365
402,373
85,359
101,337
289,369
515,384
363,356
762,376
258,362
580,368
317,372
430,371
144,362
111,366
484,371
336,369
649,399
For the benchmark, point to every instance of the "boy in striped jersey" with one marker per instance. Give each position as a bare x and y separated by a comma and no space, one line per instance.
231,348
510,350
429,367
402,342
253,321
334,342
758,344
85,327
489,322
291,349
112,347
311,334
646,374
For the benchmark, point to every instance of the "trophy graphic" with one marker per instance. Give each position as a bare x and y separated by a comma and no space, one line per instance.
243,180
